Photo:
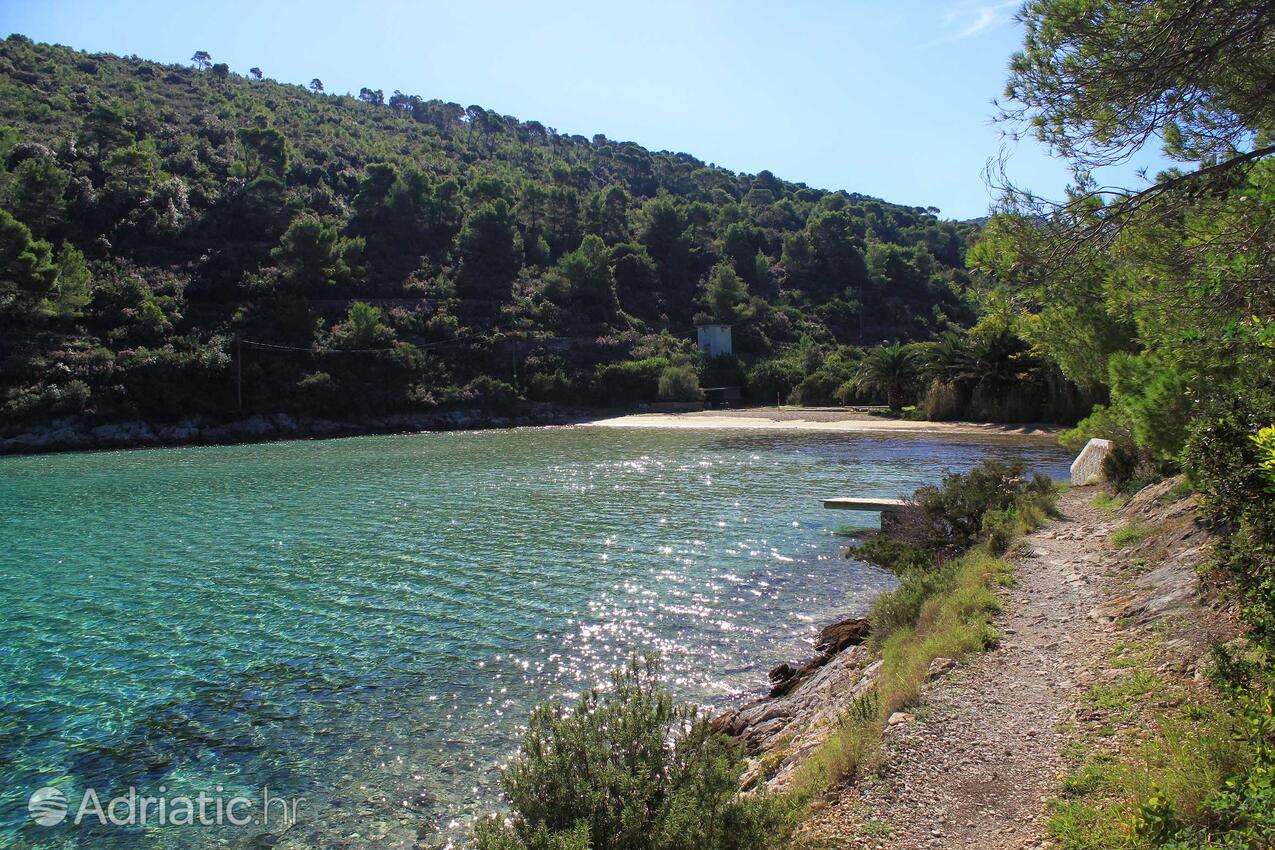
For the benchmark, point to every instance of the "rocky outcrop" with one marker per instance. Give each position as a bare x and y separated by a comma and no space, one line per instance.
841,634
1163,579
72,434
804,702
1160,589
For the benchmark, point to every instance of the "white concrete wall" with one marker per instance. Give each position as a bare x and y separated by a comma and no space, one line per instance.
714,340
1087,467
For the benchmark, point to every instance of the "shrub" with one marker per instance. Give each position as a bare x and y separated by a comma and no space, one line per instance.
893,555
999,529
770,380
494,396
818,389
901,607
1264,440
679,383
551,386
628,768
1119,465
630,381
1224,465
950,516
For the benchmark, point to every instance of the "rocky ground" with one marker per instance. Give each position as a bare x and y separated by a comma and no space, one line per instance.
981,756
978,761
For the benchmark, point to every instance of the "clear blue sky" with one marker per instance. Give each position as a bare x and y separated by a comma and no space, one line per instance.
889,99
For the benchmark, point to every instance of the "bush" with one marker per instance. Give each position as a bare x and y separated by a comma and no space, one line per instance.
901,607
950,517
771,380
1224,464
893,555
551,386
495,396
999,529
821,388
629,382
628,768
679,383
1119,465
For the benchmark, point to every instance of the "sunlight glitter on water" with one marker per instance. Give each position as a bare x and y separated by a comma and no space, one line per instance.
365,622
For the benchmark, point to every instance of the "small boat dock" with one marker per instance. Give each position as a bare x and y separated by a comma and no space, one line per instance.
884,506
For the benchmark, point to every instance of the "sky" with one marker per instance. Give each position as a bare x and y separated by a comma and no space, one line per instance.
891,99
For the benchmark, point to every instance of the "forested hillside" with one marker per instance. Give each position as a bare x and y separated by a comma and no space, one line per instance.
391,253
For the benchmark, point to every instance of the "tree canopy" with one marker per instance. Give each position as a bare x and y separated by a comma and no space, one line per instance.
196,204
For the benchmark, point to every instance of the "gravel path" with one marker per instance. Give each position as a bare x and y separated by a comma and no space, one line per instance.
972,770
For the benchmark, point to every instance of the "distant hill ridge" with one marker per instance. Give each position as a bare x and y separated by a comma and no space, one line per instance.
167,211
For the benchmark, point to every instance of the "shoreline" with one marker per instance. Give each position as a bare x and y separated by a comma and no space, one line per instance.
818,420
80,435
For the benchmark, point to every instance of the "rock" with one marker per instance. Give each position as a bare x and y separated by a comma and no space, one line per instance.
939,666
782,674
785,677
900,717
61,436
727,723
125,434
255,426
184,432
839,635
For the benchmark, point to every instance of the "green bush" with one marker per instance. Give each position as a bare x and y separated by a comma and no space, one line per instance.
893,555
950,516
495,396
1119,465
771,380
901,607
630,381
679,383
1264,440
999,529
1224,464
628,769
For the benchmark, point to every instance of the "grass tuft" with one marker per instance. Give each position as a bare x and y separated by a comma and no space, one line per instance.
1107,503
1130,535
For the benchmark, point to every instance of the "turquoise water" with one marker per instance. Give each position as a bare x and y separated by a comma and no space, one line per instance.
364,623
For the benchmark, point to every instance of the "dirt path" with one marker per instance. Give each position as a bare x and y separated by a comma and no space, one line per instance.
971,770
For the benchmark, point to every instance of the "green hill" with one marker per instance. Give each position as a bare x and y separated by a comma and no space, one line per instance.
378,254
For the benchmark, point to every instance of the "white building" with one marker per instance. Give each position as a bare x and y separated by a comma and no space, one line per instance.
714,340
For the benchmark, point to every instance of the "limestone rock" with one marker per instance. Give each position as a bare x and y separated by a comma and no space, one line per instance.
839,635
939,666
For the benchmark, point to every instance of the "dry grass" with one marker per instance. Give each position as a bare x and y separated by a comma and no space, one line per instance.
953,621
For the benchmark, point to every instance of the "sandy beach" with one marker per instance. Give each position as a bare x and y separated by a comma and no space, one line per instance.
816,419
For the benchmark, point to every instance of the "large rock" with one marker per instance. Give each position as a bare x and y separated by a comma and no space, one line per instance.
839,635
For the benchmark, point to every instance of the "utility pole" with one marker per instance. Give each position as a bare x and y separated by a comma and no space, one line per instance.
239,371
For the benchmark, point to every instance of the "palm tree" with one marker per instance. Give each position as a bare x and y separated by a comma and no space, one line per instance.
890,369
944,358
996,359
